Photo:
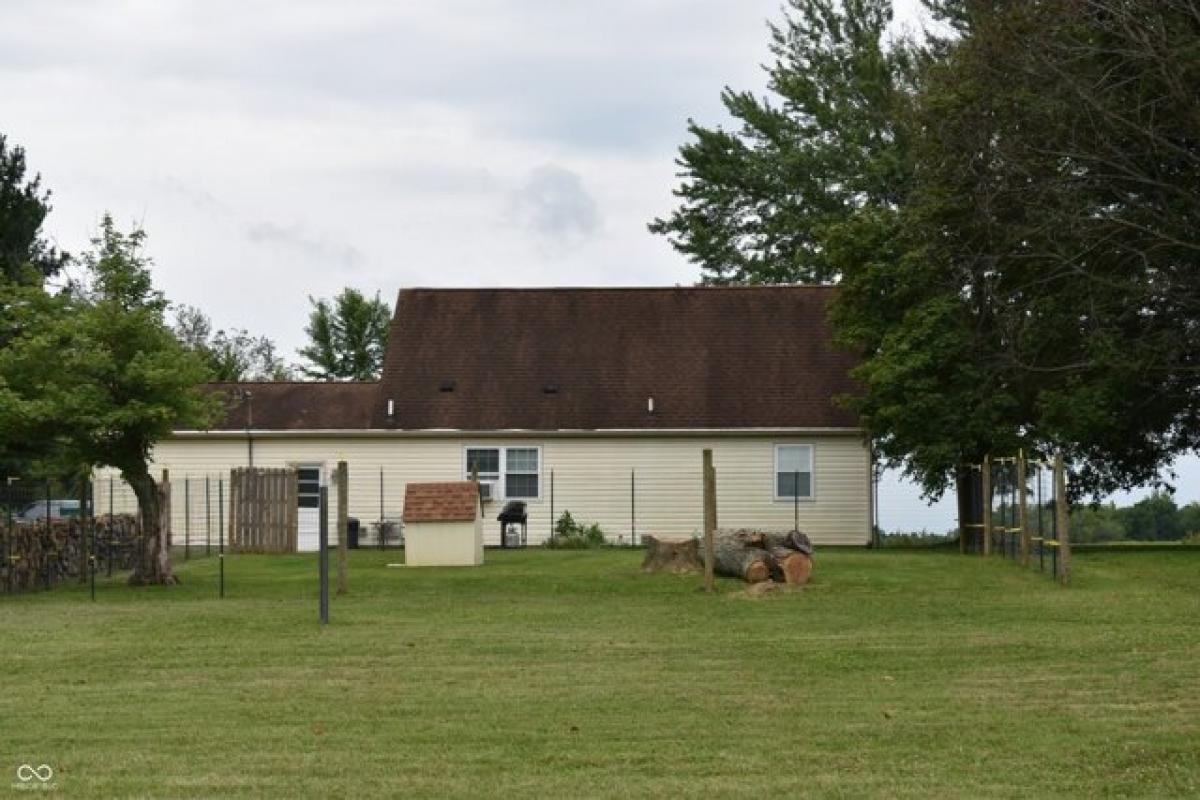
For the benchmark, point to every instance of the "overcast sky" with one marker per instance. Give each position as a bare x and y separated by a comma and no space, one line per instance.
276,150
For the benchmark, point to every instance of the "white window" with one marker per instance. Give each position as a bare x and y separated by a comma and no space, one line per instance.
485,461
793,471
521,473
515,471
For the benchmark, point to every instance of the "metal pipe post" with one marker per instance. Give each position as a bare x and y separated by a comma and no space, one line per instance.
187,520
323,554
632,508
221,532
796,500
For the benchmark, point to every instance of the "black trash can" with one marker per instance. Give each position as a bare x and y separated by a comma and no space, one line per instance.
352,533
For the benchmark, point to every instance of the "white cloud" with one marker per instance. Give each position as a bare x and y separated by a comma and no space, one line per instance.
553,203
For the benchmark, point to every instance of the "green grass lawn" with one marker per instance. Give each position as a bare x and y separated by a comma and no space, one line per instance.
564,674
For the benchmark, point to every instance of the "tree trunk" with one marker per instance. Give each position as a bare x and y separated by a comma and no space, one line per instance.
672,555
793,566
153,563
970,511
733,558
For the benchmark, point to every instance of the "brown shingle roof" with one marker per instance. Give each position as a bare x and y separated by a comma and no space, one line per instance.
290,405
745,357
456,501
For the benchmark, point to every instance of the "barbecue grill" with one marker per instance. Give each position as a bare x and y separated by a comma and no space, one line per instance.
512,515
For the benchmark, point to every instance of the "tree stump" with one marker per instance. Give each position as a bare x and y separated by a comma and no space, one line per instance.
672,555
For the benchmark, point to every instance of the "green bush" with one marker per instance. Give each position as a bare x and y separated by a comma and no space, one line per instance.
570,535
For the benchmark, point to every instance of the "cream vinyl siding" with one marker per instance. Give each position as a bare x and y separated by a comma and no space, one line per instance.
591,478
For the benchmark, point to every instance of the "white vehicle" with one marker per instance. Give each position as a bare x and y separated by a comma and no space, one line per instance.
59,509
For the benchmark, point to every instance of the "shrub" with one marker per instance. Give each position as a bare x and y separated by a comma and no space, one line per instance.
570,535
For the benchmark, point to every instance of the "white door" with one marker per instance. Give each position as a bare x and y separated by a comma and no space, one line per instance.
308,498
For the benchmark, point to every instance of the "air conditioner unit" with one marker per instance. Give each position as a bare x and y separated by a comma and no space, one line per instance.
487,490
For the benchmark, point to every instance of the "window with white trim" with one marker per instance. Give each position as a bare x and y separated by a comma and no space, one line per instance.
793,471
521,473
515,471
485,461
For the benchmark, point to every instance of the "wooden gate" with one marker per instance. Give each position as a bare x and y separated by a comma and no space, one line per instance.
262,510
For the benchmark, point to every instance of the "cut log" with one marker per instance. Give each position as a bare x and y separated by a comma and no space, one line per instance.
748,537
792,566
733,558
793,540
672,555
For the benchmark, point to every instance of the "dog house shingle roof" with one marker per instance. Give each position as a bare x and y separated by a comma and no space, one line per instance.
456,501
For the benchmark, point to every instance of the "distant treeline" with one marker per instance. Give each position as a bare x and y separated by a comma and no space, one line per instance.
1156,518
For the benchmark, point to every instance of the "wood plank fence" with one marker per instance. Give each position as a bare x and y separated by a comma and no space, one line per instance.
262,510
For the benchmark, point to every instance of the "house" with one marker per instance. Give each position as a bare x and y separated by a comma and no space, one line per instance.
443,526
598,401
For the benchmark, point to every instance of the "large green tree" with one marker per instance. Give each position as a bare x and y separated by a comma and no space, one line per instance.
25,254
347,337
1039,286
98,375
756,200
26,259
1010,212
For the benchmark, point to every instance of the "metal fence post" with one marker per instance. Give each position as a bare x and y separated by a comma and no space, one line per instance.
82,494
187,520
343,494
207,516
323,552
8,562
796,500
92,549
108,539
382,525
987,506
221,532
633,508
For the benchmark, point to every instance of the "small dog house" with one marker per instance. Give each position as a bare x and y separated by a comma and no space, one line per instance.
443,524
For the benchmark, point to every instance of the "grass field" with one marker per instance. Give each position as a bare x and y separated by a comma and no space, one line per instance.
565,674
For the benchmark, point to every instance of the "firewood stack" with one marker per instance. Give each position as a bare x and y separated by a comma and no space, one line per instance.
754,556
38,555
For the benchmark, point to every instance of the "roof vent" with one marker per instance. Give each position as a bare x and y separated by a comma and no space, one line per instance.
446,386
649,405
550,388
391,408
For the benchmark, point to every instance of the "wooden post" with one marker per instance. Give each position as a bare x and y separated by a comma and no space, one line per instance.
165,534
343,493
235,486
987,506
293,513
164,525
710,519
1062,512
1023,506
